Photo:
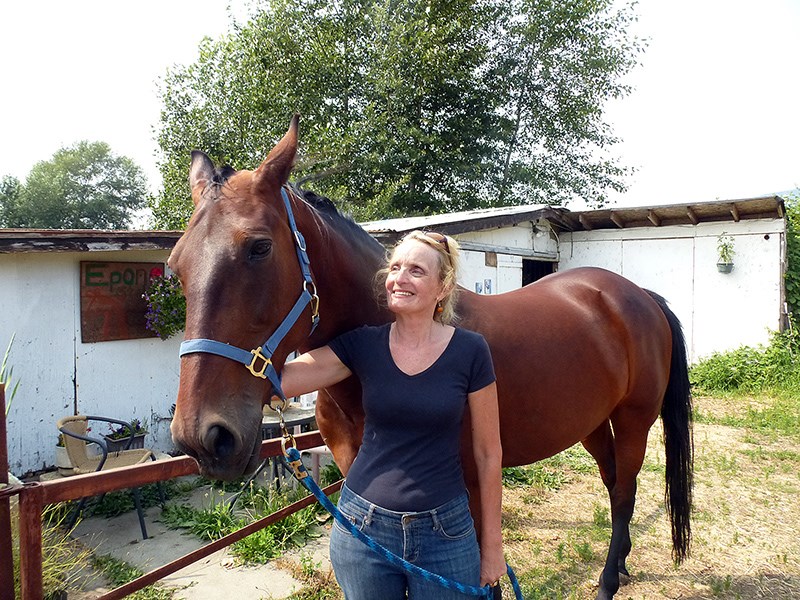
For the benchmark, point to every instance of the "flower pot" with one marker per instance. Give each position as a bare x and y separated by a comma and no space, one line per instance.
724,267
115,445
63,462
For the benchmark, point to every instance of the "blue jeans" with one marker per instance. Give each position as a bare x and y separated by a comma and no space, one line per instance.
441,540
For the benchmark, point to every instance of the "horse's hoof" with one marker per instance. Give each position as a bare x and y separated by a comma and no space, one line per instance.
624,578
602,592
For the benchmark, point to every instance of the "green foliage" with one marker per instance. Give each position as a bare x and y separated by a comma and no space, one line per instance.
792,277
408,108
119,573
10,191
113,504
62,559
725,249
120,432
84,186
771,368
550,473
166,306
220,519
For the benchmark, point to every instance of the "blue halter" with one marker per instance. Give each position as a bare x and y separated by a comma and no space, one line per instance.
259,360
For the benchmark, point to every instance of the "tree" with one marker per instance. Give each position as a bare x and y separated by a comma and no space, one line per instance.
10,189
84,186
409,107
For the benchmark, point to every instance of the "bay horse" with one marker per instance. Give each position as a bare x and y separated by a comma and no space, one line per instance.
582,355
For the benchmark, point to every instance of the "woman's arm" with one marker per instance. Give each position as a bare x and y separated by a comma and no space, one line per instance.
485,419
312,371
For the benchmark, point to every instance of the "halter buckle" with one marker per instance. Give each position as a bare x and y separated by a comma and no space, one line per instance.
311,288
257,354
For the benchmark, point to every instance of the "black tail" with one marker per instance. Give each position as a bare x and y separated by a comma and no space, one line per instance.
677,419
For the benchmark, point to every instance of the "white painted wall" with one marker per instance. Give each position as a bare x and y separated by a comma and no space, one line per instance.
719,311
507,275
40,305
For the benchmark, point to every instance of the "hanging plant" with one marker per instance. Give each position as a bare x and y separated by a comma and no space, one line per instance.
166,306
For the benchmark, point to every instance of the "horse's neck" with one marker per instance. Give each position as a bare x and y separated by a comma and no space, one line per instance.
344,265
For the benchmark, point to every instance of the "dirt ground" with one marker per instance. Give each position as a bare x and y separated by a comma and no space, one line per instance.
745,525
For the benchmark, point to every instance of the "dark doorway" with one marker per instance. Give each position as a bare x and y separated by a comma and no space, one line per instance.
533,270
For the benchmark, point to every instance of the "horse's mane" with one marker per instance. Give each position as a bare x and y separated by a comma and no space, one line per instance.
321,204
327,208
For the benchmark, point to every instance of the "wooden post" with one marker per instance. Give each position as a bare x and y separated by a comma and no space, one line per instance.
6,552
31,502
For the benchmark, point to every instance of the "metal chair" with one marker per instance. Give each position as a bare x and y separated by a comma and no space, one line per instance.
75,430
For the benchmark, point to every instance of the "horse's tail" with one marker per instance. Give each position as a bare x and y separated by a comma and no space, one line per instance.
676,417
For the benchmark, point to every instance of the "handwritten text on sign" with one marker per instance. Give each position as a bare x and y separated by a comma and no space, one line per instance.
112,307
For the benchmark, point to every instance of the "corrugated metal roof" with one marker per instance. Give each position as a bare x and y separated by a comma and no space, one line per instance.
470,220
84,240
764,207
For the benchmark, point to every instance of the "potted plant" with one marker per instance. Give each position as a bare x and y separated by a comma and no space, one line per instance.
119,436
166,306
725,253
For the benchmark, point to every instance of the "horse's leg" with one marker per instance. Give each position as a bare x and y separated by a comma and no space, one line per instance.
600,444
341,432
624,453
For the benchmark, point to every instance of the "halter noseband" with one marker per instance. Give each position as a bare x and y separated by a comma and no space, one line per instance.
259,360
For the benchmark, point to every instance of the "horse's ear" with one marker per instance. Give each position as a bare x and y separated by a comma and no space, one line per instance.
201,170
275,169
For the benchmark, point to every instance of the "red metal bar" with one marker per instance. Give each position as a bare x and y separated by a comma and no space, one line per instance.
187,559
6,550
31,502
33,498
80,486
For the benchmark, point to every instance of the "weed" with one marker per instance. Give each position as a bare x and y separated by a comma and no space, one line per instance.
62,559
720,586
256,502
119,572
600,517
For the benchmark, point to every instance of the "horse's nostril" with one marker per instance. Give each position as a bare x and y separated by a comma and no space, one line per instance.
220,442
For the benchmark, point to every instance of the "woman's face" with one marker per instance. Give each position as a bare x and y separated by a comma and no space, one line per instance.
413,283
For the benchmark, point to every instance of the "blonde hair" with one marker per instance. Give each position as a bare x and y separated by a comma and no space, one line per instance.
449,253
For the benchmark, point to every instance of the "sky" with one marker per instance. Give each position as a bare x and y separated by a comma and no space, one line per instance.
713,115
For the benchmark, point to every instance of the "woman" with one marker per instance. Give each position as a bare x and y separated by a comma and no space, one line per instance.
405,489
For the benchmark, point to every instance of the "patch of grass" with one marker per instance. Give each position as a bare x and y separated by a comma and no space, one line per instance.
116,503
720,585
62,559
551,473
316,584
119,572
747,369
220,519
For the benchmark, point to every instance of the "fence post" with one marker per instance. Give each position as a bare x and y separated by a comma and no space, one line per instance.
6,551
31,502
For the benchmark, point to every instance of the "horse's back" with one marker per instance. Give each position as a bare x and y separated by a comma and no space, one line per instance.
568,350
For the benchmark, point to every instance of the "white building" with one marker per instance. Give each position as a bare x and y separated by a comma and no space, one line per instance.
46,276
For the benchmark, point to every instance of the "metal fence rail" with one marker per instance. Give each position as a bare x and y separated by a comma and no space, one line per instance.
33,497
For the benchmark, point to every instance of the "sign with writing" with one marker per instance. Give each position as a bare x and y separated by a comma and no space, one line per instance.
112,307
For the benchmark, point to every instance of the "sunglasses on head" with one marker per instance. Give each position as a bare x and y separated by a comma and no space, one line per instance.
439,239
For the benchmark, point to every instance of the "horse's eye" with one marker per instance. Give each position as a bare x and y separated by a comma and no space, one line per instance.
260,249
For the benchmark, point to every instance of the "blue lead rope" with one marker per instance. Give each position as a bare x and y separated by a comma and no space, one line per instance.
293,460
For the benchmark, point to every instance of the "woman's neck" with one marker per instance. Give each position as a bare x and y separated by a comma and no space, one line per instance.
414,332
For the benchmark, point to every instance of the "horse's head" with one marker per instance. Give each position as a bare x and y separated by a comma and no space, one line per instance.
239,268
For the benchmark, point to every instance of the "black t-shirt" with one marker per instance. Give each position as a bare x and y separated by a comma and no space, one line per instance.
409,458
